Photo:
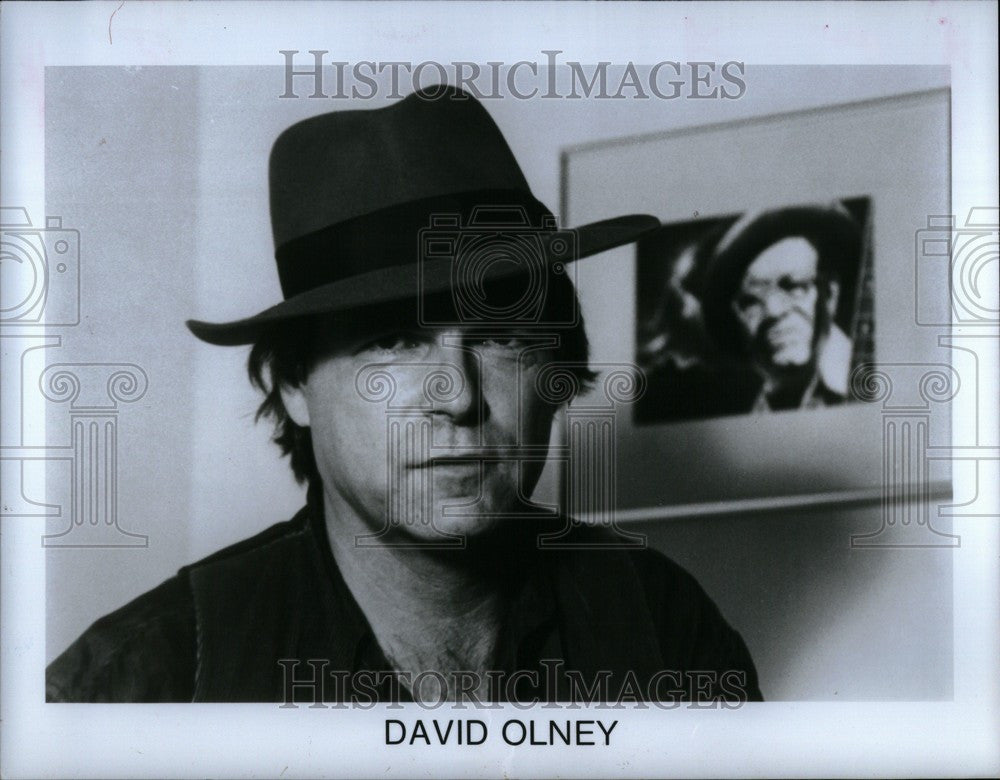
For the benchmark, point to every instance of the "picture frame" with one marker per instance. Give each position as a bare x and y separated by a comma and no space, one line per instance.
889,155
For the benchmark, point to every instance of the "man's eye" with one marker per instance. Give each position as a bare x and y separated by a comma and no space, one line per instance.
393,343
498,342
794,286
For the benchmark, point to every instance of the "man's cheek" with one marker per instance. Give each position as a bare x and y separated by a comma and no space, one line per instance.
792,355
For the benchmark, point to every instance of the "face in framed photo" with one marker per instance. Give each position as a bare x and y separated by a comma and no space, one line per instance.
760,312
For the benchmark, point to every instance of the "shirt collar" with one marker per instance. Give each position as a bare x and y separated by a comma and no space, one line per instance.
351,644
529,628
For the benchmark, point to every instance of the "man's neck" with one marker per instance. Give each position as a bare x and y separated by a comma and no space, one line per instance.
429,611
786,389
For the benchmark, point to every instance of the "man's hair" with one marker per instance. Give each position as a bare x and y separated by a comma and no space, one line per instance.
286,354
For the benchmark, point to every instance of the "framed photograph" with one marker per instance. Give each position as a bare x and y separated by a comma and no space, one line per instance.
813,325
753,318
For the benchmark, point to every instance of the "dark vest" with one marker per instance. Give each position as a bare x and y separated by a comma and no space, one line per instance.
275,601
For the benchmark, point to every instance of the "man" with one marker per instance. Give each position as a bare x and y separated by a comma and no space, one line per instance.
409,373
771,295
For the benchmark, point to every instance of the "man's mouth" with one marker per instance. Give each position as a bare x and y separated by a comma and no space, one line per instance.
783,334
459,462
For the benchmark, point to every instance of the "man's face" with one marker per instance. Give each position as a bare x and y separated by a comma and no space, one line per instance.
426,431
777,305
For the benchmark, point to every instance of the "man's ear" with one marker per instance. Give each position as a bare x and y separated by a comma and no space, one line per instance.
833,297
294,399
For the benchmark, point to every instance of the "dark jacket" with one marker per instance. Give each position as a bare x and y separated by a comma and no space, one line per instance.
246,622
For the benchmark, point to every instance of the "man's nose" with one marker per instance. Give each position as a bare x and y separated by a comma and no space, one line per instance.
452,383
776,303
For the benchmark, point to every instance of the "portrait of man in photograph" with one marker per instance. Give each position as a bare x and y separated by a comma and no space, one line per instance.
760,313
425,290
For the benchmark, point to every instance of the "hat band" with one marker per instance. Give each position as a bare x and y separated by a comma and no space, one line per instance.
400,235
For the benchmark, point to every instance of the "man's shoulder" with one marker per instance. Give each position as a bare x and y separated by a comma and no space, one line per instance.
245,550
147,649
693,633
690,630
667,586
144,651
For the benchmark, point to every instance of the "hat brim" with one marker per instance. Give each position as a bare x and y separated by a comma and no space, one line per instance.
402,282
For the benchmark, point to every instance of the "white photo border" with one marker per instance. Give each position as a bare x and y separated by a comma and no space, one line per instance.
778,739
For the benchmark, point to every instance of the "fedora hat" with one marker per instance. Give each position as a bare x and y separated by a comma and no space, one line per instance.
360,198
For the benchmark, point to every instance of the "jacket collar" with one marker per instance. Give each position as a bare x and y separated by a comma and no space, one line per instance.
284,600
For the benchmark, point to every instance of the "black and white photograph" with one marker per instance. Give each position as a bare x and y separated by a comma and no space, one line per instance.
769,303
482,389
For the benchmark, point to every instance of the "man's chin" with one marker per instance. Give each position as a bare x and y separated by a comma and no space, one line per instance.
463,522
457,527
791,360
